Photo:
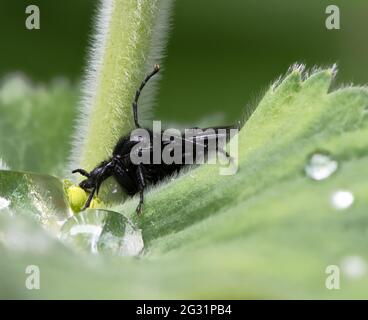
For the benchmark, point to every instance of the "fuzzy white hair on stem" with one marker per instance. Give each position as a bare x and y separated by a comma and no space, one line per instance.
129,38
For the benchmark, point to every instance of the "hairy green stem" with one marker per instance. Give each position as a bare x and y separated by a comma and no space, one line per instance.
126,45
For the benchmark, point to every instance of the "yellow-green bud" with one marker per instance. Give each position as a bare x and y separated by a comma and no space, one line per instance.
77,198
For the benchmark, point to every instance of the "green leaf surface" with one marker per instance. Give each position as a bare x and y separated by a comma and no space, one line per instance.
269,231
35,124
34,195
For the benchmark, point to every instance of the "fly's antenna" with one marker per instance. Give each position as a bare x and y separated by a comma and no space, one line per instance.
156,69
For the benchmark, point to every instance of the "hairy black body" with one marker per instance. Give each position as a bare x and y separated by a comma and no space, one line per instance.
132,177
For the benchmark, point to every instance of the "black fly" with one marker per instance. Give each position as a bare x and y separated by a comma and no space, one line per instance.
134,178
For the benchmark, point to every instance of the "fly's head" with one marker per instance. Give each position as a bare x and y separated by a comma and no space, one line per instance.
95,177
88,184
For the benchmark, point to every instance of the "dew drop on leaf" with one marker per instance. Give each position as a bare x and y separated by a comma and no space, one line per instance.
87,233
341,200
320,166
354,266
101,231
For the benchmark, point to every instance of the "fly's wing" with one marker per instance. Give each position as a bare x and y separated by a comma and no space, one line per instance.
198,143
208,141
208,134
195,143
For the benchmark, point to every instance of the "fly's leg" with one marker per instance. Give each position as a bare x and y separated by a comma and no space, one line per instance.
89,200
102,176
82,172
141,185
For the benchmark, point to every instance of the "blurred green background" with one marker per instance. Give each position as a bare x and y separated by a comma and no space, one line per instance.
221,54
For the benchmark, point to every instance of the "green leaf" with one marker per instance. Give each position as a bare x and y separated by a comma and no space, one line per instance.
34,195
269,231
292,121
36,124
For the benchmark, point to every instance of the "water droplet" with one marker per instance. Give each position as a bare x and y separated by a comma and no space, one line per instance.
87,233
101,231
341,200
354,266
4,203
320,166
